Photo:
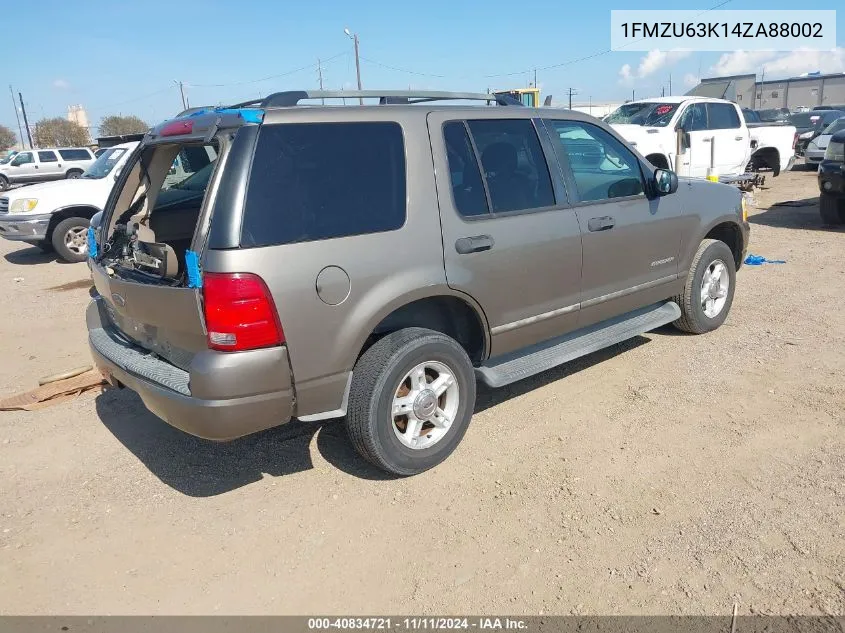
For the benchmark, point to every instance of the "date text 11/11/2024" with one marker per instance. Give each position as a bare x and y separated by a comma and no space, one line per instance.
417,623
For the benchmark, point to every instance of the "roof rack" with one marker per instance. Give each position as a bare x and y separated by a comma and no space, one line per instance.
292,98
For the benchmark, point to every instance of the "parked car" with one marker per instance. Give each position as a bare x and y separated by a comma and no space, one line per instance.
774,115
832,181
375,262
769,142
652,124
816,149
840,106
55,215
40,165
808,125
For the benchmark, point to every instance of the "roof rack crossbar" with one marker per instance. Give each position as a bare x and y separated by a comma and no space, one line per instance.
292,98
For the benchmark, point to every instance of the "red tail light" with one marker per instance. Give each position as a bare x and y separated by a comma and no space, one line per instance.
176,128
239,312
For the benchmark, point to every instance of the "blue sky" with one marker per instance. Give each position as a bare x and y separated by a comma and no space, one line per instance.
120,57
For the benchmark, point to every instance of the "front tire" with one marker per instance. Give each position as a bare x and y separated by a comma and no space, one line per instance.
709,290
411,400
70,239
832,209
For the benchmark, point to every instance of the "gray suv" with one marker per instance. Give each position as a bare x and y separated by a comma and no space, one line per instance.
377,261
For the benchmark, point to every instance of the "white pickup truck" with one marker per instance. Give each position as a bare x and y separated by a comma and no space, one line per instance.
716,139
56,215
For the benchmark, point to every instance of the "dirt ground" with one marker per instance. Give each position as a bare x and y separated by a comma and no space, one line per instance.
671,474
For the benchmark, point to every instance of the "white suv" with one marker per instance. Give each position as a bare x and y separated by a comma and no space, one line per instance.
56,215
39,165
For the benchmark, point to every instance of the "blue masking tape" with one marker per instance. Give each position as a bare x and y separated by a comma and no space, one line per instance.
92,243
192,263
758,260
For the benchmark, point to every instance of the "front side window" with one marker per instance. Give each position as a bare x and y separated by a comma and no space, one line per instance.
722,116
603,168
47,157
316,181
694,118
24,158
513,164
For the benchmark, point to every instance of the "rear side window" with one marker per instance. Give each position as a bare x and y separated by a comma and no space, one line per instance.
75,154
722,116
47,157
316,181
467,186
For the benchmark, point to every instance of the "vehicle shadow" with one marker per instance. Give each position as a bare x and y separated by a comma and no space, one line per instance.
203,468
794,214
29,256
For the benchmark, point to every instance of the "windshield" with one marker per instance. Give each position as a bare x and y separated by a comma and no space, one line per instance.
105,163
773,115
836,126
197,181
651,114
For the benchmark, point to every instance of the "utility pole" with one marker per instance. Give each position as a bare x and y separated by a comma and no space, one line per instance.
320,78
17,116
354,37
535,77
182,92
572,91
670,84
633,95
662,91
25,122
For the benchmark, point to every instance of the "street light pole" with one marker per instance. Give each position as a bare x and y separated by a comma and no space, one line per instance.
354,37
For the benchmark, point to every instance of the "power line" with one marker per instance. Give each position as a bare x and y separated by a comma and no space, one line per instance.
284,74
401,70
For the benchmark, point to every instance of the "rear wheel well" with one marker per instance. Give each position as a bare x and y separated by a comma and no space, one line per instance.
70,212
449,315
658,160
766,157
730,234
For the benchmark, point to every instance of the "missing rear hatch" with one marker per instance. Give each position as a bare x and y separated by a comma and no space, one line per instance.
157,210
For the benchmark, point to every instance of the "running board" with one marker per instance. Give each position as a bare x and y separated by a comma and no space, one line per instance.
509,368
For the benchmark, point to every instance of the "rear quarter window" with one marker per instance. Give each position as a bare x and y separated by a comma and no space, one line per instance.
75,154
316,181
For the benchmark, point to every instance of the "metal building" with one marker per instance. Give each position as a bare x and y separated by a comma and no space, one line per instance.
808,91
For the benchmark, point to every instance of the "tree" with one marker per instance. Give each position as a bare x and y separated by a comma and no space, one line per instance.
7,138
116,125
59,132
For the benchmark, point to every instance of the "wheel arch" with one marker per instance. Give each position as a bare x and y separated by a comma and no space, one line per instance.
767,157
730,233
441,309
86,211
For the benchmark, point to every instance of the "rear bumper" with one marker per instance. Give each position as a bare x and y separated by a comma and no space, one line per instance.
251,390
24,228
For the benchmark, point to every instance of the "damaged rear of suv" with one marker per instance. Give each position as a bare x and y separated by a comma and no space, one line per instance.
375,262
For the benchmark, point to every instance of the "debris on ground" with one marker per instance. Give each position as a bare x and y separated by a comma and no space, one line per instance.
758,260
62,388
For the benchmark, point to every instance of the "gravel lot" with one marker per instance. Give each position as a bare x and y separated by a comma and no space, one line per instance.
671,474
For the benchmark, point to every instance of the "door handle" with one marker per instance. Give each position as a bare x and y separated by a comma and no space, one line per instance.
706,139
604,223
738,138
475,244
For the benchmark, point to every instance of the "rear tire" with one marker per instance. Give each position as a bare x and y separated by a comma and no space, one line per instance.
73,173
832,209
709,290
4,183
396,382
70,239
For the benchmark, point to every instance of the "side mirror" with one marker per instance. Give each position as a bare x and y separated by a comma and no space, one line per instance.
665,182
